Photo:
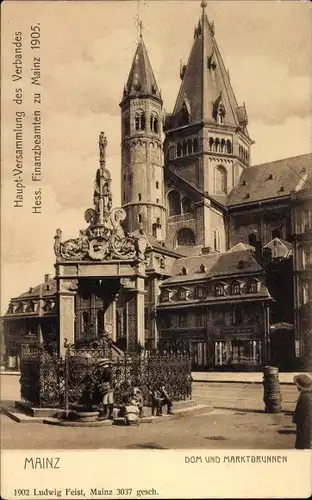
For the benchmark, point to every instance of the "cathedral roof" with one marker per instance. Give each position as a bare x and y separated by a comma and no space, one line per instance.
276,179
214,265
141,79
206,88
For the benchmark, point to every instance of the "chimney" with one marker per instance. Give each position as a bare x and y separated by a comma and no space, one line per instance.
47,277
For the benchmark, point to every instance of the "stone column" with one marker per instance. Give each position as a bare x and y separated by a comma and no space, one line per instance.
66,313
135,312
110,317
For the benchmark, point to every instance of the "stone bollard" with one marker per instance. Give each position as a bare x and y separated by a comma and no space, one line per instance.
272,394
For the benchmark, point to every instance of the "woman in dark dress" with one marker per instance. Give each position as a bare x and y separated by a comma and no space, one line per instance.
303,412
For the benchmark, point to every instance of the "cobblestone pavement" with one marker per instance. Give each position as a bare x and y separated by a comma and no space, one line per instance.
238,421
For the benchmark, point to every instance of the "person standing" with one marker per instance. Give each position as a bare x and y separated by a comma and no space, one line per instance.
303,413
106,388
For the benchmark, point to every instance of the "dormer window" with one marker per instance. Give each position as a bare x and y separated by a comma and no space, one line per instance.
253,286
270,177
199,293
236,288
241,264
219,290
165,296
182,294
203,268
184,270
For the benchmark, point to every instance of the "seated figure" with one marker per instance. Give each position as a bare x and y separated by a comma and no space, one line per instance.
160,398
138,398
132,413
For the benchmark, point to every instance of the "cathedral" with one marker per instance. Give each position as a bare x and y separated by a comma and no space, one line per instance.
227,244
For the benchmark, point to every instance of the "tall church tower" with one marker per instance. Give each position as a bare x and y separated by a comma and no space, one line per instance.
142,148
207,143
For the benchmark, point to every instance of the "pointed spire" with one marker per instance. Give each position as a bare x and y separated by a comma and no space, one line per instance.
204,78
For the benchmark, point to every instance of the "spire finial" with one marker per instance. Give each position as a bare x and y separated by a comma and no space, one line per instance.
203,4
141,28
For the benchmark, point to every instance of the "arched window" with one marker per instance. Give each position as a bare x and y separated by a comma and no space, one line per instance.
140,196
186,206
184,148
139,121
217,143
252,239
228,146
157,185
174,202
211,143
154,124
179,149
195,145
185,237
189,146
222,147
276,233
220,180
216,240
140,218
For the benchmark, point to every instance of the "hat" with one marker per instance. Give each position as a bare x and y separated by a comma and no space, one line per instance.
303,382
104,362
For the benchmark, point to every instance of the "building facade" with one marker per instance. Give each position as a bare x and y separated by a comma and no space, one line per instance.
228,244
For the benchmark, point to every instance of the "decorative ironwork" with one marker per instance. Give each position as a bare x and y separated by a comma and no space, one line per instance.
48,380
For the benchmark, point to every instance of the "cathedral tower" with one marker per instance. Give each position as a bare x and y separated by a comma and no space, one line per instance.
142,148
207,143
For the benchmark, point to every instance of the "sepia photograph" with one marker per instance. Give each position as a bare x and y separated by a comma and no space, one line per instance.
156,240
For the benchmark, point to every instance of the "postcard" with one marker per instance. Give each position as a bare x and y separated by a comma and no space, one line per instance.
156,337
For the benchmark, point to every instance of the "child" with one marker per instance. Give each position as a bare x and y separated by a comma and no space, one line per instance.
132,413
303,412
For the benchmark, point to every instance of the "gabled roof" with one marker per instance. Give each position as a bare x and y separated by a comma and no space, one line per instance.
279,248
141,79
46,289
214,265
276,179
206,83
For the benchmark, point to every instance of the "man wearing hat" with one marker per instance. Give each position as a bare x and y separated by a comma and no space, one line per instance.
303,412
106,388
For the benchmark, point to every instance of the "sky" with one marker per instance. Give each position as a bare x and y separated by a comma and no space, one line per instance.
86,52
